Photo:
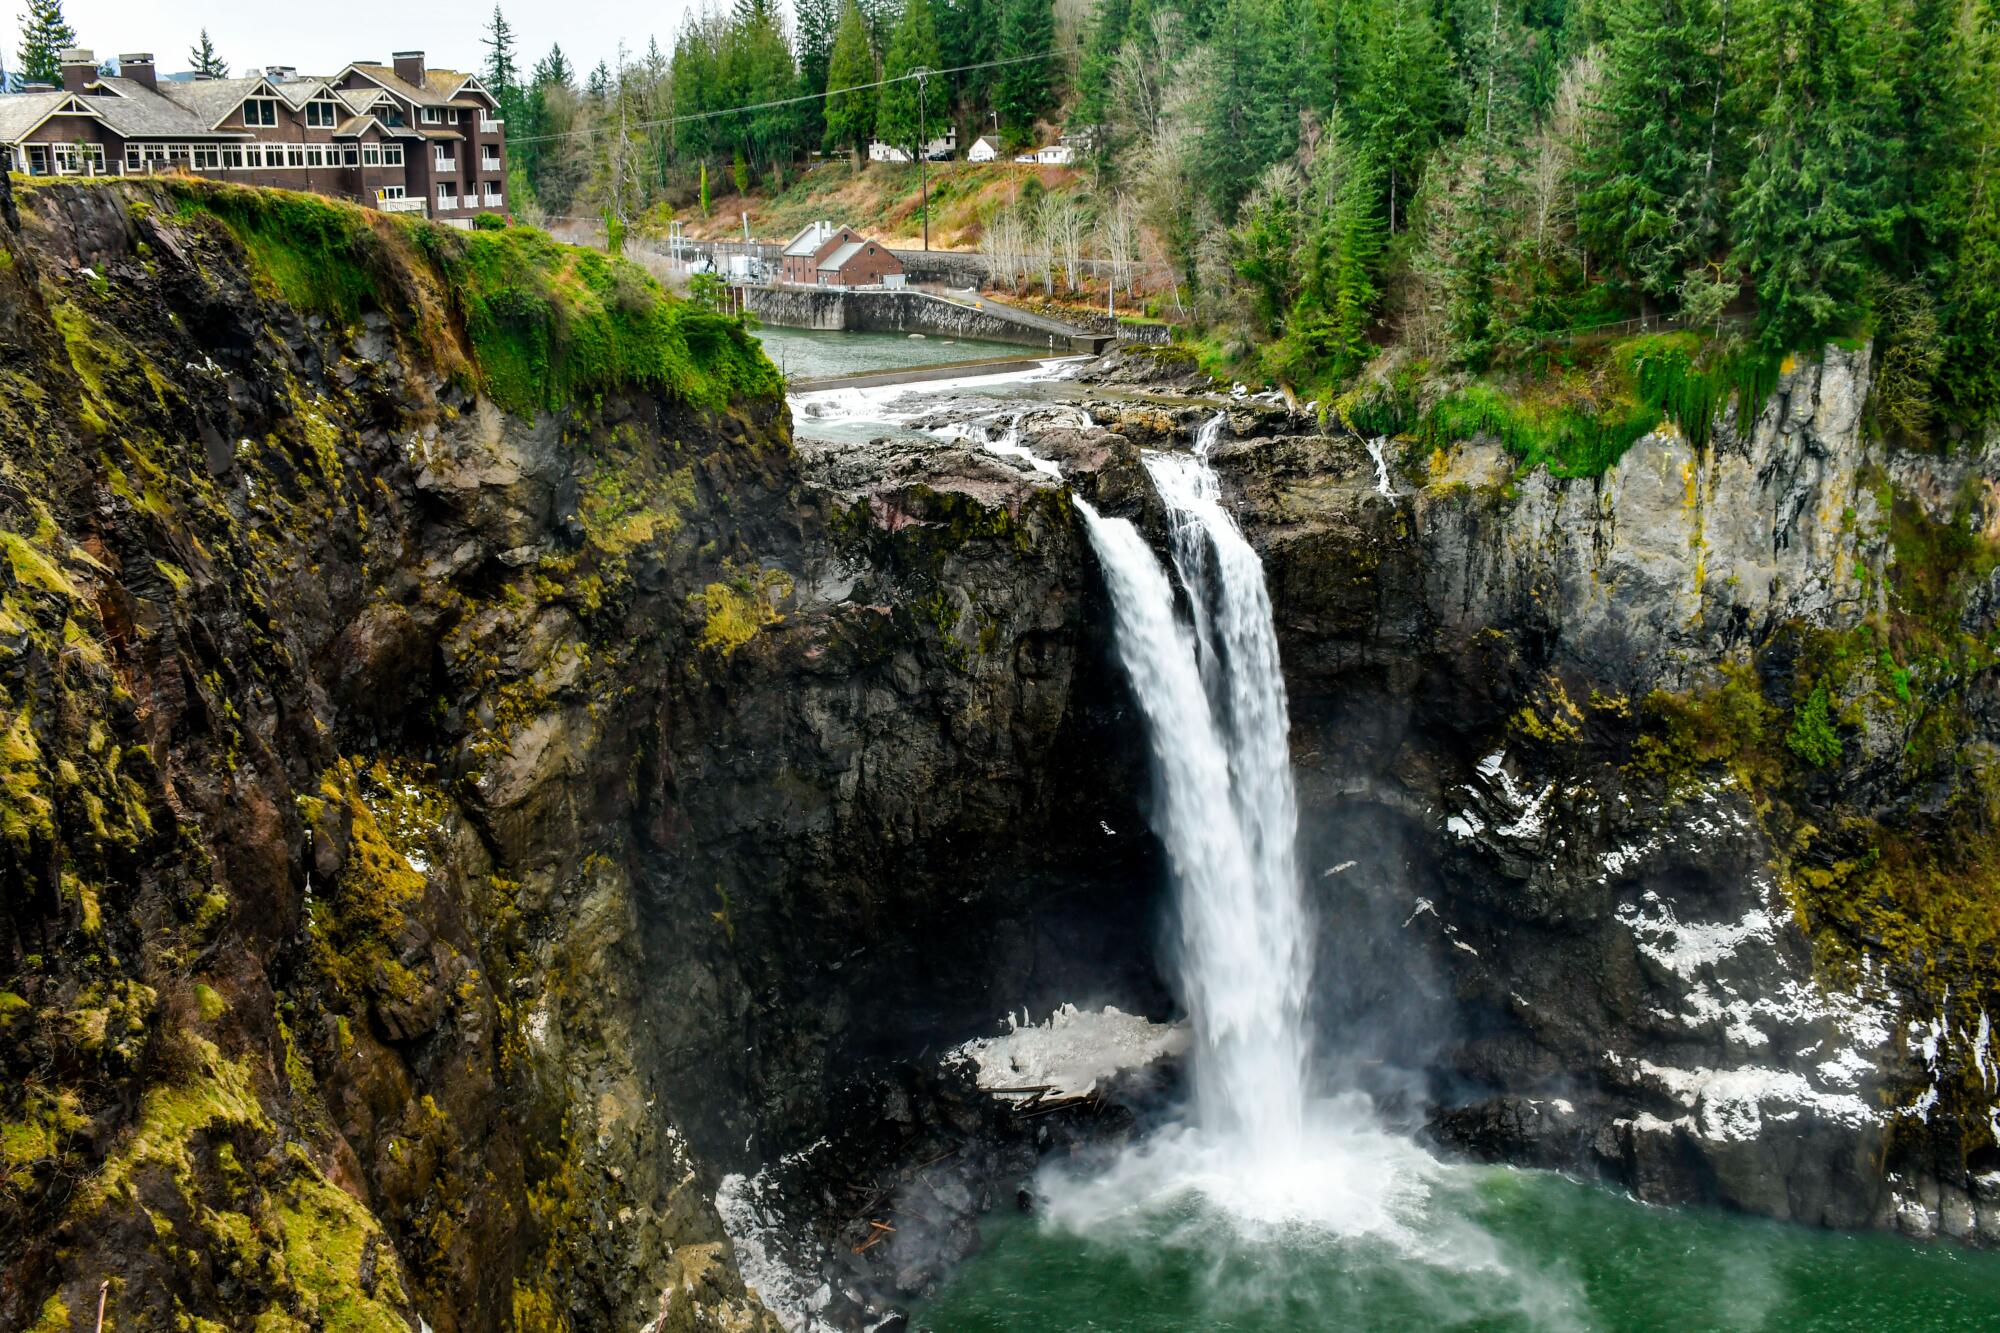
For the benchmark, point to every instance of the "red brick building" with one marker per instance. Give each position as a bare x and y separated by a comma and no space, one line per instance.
823,255
399,136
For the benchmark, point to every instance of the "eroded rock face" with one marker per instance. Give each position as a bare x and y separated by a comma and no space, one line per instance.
1497,684
439,841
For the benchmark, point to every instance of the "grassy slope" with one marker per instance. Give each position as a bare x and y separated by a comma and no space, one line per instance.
883,199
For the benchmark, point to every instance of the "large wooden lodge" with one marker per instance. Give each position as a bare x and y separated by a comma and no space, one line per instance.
399,136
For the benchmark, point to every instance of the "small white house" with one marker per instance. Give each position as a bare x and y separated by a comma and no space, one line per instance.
985,148
940,149
1055,155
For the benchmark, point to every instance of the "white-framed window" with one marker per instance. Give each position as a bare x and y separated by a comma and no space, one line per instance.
315,155
350,155
428,115
392,192
447,195
260,111
371,155
253,156
133,160
232,157
295,154
182,153
156,152
322,114
207,157
392,155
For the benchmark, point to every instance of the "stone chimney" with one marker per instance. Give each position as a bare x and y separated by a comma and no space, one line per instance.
79,67
410,67
138,67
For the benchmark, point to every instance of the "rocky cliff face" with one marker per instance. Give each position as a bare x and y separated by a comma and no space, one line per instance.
1674,789
468,778
467,783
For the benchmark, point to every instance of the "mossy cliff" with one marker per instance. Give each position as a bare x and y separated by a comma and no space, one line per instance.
374,896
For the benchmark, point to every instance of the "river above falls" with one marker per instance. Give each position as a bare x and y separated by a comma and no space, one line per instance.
820,353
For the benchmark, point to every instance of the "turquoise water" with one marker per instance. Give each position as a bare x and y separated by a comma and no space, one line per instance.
1495,1249
813,354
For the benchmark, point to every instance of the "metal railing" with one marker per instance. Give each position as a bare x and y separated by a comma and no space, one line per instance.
400,205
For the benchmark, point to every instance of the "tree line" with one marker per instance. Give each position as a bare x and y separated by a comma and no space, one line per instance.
749,92
1472,177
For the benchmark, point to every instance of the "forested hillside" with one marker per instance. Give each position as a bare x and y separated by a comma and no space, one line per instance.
1471,182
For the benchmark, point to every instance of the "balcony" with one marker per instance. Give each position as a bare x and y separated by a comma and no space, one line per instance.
400,205
489,125
490,162
445,164
494,199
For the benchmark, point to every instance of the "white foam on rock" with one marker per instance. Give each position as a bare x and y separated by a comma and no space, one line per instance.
1073,1051
750,1215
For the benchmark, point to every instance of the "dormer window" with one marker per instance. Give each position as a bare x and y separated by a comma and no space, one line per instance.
322,115
430,115
261,111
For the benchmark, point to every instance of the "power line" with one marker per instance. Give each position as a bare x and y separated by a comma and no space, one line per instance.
692,116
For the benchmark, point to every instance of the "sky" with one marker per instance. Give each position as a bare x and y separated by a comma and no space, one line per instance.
321,38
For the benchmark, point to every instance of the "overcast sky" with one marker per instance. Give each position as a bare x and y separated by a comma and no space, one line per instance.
321,38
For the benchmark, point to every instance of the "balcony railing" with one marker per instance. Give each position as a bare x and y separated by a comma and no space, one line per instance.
489,162
400,205
444,162
490,125
493,199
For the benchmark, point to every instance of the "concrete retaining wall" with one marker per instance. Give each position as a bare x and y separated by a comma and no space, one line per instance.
910,312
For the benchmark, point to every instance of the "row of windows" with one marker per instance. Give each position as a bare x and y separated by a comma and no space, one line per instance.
255,156
448,195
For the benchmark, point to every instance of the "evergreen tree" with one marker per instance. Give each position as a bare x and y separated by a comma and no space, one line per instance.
1401,95
1025,88
817,21
913,47
599,86
969,34
1336,301
1817,193
850,116
44,35
554,71
1651,196
1970,306
205,60
1100,57
501,70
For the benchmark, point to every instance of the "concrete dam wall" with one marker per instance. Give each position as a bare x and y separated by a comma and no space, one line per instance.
906,311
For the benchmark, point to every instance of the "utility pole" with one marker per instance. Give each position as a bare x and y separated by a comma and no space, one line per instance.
923,75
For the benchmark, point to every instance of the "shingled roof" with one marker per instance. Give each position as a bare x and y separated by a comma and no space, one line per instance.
137,112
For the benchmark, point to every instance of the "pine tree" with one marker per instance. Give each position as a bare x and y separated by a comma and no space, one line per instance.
1817,192
817,21
850,116
1970,305
1651,190
1338,291
913,47
501,71
1400,96
554,71
1025,88
44,35
599,86
205,59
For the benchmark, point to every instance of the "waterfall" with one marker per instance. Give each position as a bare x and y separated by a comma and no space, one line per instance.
1214,702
